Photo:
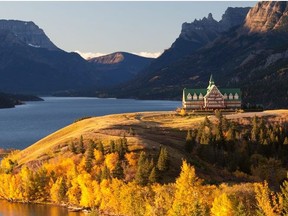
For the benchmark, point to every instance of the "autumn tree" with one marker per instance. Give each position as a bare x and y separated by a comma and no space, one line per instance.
58,190
284,195
222,206
188,185
266,200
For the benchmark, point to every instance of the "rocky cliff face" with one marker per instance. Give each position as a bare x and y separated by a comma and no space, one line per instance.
207,29
267,16
199,33
27,33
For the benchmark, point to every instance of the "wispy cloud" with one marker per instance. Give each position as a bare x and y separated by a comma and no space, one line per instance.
89,55
149,54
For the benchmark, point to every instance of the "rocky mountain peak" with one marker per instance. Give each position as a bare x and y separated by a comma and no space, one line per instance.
208,28
113,58
27,32
267,16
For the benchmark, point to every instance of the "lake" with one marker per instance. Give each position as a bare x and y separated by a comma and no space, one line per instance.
19,209
26,124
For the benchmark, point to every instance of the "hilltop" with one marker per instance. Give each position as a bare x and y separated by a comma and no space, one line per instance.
151,130
130,164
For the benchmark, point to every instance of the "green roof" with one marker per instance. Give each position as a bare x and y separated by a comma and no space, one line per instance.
204,92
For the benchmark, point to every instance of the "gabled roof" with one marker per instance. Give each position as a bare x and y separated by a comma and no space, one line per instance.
204,92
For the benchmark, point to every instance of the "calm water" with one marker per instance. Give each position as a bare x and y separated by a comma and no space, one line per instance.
18,209
26,124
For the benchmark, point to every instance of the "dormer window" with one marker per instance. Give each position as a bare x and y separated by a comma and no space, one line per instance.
230,96
189,97
236,96
195,96
200,96
225,96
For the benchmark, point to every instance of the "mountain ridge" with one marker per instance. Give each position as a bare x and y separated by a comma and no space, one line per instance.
235,58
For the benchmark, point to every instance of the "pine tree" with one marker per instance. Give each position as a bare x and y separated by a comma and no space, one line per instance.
285,141
105,174
100,147
112,146
81,149
189,142
89,157
255,129
118,172
72,147
154,175
162,163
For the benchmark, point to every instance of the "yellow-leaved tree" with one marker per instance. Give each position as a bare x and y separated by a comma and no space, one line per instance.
188,199
222,206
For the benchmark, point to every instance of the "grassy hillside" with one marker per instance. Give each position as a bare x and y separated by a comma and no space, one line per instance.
151,130
157,163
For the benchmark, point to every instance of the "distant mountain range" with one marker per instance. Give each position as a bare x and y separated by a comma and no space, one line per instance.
31,63
245,49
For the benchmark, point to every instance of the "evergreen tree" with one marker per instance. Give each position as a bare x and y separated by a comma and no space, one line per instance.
81,149
154,175
112,146
143,169
89,157
255,129
118,172
105,174
285,141
63,189
189,142
72,147
100,147
162,163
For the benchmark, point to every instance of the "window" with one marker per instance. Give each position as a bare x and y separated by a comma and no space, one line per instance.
236,96
195,97
230,96
200,96
225,96
189,97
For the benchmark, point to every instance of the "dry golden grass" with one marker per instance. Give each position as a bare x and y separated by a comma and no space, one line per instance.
152,130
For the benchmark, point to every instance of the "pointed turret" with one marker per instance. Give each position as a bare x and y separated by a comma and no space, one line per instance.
211,82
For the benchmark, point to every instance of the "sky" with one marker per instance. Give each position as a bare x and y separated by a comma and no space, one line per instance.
95,28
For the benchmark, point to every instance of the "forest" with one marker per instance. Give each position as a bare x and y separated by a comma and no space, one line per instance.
114,179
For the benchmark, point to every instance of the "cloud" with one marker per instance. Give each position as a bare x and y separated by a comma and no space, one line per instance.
149,54
89,55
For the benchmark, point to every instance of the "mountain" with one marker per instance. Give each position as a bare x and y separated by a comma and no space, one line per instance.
199,33
119,67
31,63
251,56
28,33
